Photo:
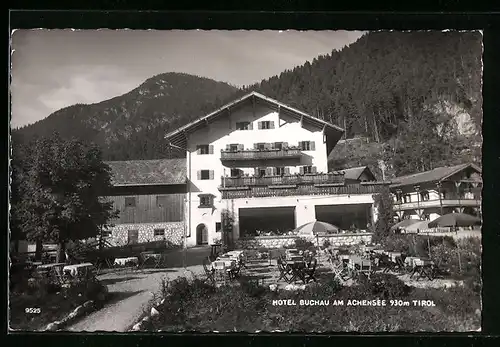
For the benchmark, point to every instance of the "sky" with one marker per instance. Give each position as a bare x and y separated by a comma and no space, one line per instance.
52,69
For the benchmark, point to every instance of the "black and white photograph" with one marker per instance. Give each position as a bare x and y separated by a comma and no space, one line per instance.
245,181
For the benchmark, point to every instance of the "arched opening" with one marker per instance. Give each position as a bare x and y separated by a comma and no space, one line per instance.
201,234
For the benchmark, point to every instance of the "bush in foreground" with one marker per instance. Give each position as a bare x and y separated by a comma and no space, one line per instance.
195,306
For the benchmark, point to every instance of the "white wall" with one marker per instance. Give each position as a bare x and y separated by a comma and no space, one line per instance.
222,132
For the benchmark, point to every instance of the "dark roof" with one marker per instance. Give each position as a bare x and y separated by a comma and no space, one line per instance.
220,111
353,173
435,175
148,172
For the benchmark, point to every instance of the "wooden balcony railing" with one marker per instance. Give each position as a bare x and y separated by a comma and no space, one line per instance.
322,178
263,191
436,203
255,154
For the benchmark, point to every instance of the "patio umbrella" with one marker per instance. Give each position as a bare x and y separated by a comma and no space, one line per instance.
315,228
404,223
455,220
420,225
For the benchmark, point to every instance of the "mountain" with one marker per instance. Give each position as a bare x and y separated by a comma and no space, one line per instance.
413,97
167,99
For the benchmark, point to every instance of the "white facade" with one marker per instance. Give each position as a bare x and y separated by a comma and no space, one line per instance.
205,171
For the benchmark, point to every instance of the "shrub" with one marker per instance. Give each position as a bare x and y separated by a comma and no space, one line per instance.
302,244
384,286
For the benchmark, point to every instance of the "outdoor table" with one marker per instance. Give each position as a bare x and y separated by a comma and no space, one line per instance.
423,267
297,268
79,269
151,256
378,251
124,261
228,263
410,261
54,269
393,255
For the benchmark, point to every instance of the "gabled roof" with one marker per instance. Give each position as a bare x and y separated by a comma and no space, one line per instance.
148,172
355,172
259,97
436,175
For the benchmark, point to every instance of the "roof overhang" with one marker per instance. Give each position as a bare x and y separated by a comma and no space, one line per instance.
181,133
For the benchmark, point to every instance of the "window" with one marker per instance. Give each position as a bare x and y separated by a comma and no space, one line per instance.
206,200
161,201
205,149
218,227
264,125
133,236
307,145
260,146
278,145
280,171
424,196
206,175
260,171
236,172
244,126
234,147
159,232
130,201
308,169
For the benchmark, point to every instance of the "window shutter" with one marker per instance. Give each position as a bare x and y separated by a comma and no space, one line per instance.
198,149
240,147
211,174
256,172
272,146
210,149
260,125
301,170
269,171
313,146
272,125
285,144
255,146
250,126
313,169
267,146
198,175
275,171
228,147
287,171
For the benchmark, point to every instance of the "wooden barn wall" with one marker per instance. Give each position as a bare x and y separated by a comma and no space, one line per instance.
146,209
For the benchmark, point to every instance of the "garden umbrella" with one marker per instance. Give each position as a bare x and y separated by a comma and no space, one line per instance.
315,228
404,223
455,220
420,225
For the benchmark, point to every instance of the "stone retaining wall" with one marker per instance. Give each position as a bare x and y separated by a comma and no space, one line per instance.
282,241
173,233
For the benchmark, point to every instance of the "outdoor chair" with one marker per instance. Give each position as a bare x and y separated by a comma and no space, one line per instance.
310,270
366,268
400,263
339,270
221,273
209,272
285,272
423,269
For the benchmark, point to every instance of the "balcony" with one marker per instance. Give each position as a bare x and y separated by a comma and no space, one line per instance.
262,154
296,190
291,185
436,203
308,179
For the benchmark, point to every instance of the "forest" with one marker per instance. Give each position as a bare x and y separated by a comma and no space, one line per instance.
415,97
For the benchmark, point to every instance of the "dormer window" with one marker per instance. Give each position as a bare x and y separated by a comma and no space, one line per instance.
308,169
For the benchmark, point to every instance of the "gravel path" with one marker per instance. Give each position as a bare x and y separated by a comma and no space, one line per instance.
131,291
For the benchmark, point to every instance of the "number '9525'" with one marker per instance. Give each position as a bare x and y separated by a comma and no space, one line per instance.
32,310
